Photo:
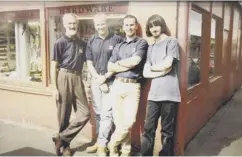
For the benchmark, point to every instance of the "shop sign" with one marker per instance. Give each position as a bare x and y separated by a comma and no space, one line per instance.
118,7
19,15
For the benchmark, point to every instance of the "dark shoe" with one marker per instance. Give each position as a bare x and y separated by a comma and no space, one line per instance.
58,144
67,152
167,147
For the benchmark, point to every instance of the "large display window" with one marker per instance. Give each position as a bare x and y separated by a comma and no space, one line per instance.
115,12
20,55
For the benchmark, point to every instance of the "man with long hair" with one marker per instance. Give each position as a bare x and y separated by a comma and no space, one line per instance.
162,66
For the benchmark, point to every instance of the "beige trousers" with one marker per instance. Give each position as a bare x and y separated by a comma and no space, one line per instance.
125,97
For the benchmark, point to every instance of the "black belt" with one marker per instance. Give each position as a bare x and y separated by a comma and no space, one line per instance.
127,80
70,71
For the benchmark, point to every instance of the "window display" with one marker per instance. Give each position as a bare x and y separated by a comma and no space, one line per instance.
20,56
194,58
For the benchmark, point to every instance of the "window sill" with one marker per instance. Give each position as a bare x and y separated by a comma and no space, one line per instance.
192,88
214,78
25,87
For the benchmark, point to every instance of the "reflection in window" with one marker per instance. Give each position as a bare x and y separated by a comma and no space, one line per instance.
212,48
20,56
195,26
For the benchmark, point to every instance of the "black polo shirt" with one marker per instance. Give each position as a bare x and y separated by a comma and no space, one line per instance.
124,50
100,50
70,53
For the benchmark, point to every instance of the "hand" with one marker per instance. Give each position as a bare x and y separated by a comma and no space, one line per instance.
104,87
101,79
55,94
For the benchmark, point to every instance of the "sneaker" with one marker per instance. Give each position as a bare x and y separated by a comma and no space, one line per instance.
113,151
125,154
92,149
101,151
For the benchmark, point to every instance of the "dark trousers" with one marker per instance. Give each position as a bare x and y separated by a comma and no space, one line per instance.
71,94
168,112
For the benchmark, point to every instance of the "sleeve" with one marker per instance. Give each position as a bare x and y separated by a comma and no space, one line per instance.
141,49
56,55
120,39
148,58
173,49
114,57
88,51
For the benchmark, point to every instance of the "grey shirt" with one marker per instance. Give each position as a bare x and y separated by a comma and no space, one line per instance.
165,88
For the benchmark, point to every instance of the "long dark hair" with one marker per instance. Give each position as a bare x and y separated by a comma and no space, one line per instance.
156,20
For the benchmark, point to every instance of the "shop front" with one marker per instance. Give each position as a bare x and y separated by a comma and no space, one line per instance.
27,36
209,35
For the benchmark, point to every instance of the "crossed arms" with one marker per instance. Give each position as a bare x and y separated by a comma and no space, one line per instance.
158,70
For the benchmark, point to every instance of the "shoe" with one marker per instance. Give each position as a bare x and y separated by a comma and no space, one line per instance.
92,149
113,151
67,152
102,151
125,154
58,144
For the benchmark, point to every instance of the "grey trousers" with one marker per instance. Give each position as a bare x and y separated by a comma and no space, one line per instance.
103,113
71,94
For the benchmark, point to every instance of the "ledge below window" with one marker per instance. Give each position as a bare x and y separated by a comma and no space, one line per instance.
25,87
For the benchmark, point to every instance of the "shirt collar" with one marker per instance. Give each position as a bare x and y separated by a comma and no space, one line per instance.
70,39
134,40
108,36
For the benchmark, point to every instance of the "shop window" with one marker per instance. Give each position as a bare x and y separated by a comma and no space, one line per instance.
235,37
212,48
20,55
85,31
238,42
195,26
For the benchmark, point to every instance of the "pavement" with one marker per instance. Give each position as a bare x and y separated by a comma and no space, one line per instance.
222,135
28,140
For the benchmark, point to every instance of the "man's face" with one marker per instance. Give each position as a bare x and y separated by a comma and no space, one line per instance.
130,27
101,26
155,31
70,25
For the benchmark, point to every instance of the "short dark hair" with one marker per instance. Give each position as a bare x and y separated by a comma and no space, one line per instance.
131,17
156,20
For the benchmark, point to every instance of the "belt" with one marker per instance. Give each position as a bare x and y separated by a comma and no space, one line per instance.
126,80
70,71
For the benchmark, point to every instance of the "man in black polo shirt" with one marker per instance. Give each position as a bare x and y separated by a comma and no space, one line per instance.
98,52
127,63
67,62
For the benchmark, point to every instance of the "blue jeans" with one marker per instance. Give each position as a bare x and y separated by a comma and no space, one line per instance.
103,112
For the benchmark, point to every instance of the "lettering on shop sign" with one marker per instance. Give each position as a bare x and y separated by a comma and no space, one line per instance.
20,15
118,7
87,9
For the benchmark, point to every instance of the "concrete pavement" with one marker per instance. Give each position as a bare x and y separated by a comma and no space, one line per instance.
29,140
222,135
